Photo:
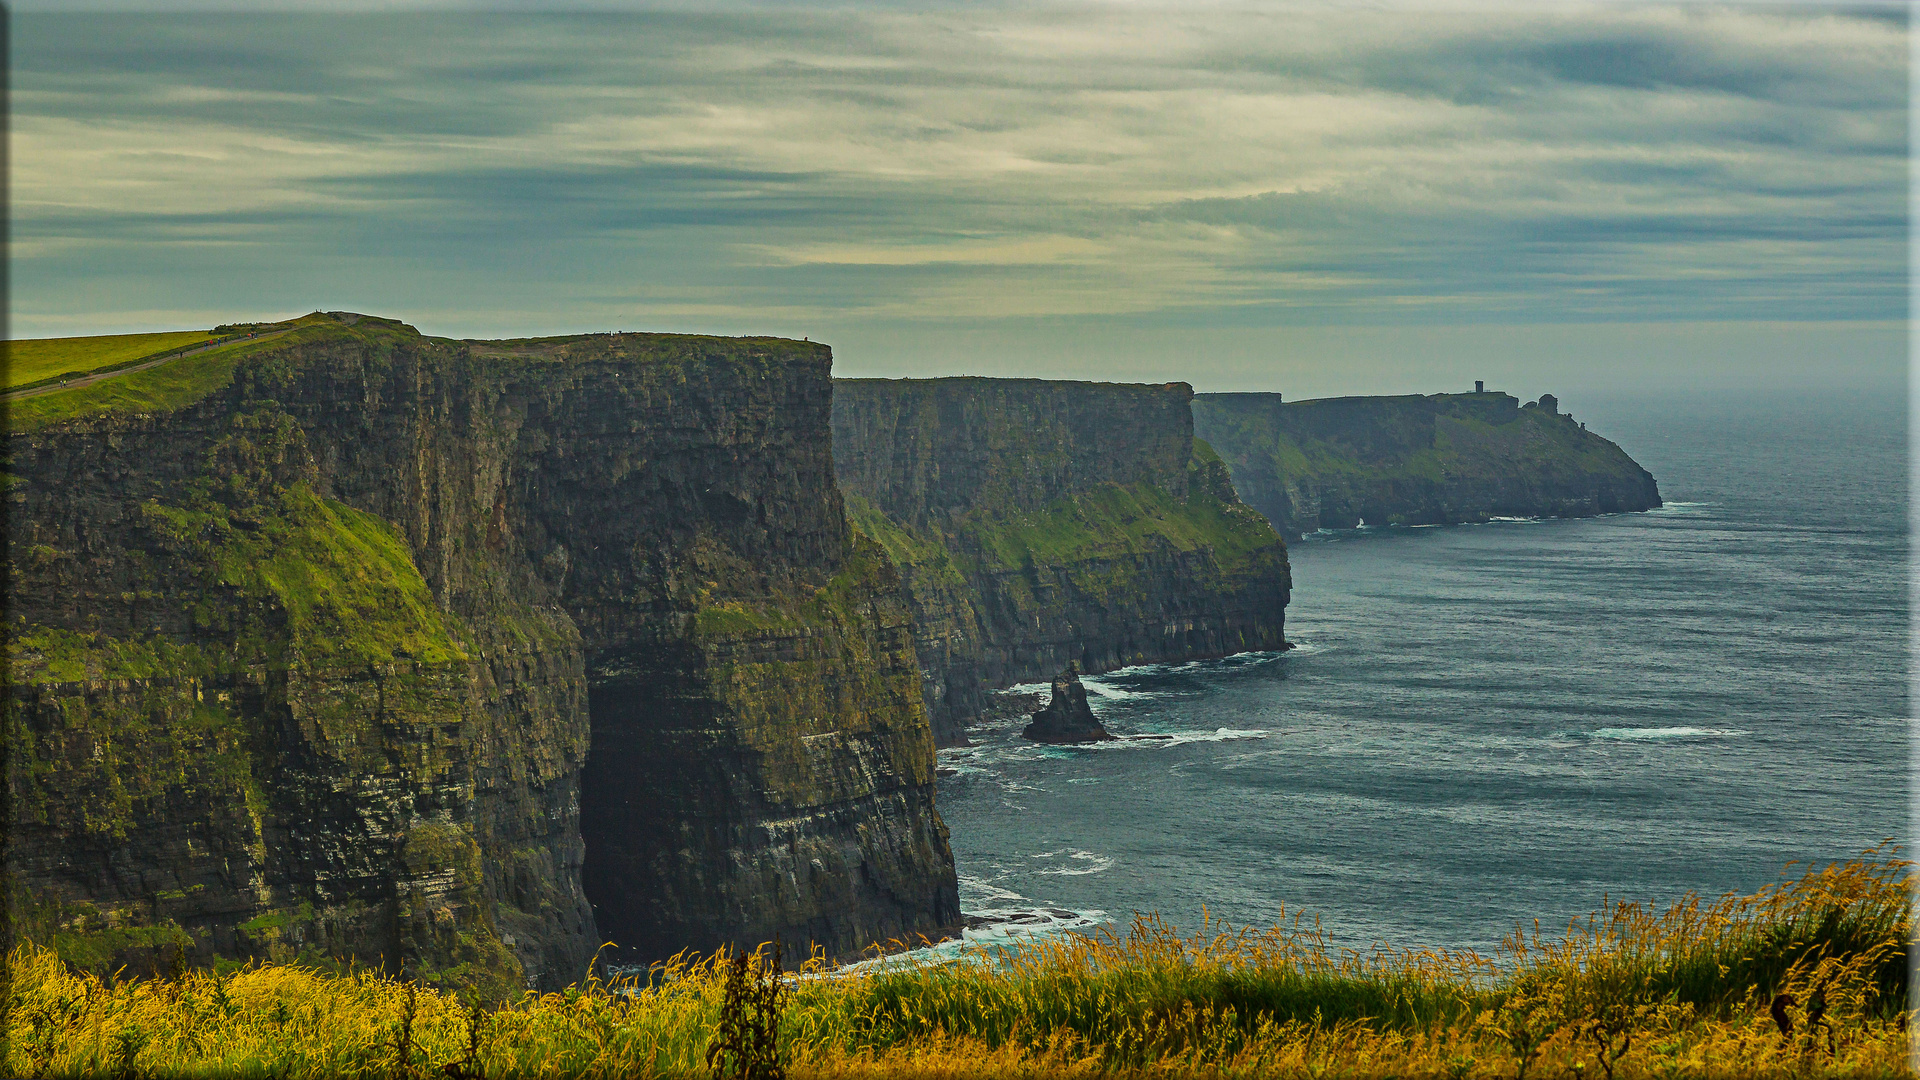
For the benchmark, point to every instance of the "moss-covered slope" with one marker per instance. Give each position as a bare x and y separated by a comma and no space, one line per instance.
308,651
1040,522
1416,460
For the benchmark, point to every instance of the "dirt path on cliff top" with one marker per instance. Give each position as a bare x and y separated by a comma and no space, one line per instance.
89,380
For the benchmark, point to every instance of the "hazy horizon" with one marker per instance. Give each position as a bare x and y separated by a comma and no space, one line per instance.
1584,199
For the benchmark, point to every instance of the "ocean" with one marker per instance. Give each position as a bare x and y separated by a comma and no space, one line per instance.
1484,725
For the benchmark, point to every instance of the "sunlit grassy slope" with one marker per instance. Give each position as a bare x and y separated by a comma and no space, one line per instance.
1699,989
178,382
40,358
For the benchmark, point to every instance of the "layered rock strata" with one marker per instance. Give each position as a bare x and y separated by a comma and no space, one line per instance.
1337,463
1067,718
460,656
1040,523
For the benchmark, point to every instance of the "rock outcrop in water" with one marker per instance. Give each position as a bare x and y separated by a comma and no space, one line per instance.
1039,524
1067,718
357,643
1340,462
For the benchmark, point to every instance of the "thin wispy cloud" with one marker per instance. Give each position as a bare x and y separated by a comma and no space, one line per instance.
864,173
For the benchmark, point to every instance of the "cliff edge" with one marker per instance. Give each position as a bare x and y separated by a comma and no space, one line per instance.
1039,523
463,656
1336,463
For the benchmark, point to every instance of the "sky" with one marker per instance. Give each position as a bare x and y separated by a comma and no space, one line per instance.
1314,199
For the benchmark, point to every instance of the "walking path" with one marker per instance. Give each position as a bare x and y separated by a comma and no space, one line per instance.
89,380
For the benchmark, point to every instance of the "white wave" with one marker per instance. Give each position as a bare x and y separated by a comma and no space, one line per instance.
973,888
1117,693
1642,733
1137,669
1249,659
1229,735
1098,683
1079,863
1176,738
985,929
1084,780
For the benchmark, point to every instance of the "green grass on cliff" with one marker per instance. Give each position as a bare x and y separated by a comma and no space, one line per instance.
1465,447
34,359
163,729
838,602
39,654
348,582
163,388
739,618
345,579
927,555
1111,521
342,596
1115,520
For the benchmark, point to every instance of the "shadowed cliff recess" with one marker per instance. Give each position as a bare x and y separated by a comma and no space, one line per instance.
354,643
1336,463
1039,524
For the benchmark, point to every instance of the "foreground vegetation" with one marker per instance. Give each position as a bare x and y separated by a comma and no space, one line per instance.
1807,978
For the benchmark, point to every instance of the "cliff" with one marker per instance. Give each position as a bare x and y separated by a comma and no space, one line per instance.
354,643
1414,460
1040,523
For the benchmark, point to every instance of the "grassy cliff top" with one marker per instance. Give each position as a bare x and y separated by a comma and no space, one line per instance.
1250,397
988,382
178,381
639,345
32,359
1416,458
1415,434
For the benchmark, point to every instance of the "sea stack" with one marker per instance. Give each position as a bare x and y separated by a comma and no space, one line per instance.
1067,718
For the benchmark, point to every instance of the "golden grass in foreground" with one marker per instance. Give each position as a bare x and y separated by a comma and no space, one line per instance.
38,358
1630,993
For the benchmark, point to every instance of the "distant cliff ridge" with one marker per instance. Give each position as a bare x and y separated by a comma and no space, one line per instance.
1041,523
1416,460
463,655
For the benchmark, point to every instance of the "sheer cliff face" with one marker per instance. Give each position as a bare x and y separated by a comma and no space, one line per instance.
1038,523
309,660
930,452
1338,462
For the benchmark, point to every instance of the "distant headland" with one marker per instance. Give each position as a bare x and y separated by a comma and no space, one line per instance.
1336,463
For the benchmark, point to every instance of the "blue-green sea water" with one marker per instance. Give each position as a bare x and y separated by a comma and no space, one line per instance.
1487,724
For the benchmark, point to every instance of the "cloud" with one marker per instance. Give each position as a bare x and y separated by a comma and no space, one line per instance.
849,169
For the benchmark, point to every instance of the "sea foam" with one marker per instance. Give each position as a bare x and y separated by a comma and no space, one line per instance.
1642,733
